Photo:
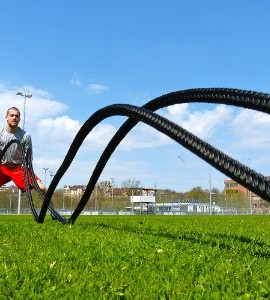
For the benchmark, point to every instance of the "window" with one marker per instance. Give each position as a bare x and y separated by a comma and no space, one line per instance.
232,184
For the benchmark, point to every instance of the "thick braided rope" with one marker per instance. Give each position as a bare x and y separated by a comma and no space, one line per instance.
28,192
241,98
259,101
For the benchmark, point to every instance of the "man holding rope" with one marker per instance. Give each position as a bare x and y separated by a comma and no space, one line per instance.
11,168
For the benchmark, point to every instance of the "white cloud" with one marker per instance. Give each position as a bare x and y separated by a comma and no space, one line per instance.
201,123
205,123
76,80
100,135
96,88
40,105
143,136
178,110
60,130
251,129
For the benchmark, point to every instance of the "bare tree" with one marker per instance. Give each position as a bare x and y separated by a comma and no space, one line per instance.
131,183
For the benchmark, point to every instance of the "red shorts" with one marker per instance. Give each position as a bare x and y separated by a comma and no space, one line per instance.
16,174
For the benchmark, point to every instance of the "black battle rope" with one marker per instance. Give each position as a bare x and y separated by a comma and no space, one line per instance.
241,98
216,158
26,174
261,185
54,213
28,169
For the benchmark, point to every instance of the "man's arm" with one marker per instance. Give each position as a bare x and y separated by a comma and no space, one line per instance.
28,144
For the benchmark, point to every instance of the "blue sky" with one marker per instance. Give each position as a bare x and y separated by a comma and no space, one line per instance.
76,57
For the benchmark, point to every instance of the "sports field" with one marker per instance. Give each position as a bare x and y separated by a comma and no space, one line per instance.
136,257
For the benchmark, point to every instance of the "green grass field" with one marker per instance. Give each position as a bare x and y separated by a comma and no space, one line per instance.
136,257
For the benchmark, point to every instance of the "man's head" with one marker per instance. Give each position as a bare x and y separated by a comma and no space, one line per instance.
13,117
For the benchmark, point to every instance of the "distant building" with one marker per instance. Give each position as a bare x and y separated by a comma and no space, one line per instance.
3,188
74,191
11,188
235,192
146,195
176,208
187,208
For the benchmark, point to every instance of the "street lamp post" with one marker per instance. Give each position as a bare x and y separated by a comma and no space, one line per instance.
112,186
45,175
51,175
10,200
24,110
249,193
210,192
24,104
96,190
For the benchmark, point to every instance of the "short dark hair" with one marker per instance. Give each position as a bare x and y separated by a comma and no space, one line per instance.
13,108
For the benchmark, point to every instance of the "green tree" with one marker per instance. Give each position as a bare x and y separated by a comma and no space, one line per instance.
197,193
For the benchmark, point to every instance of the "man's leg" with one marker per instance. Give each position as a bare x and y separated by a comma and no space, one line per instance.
4,178
17,175
41,186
